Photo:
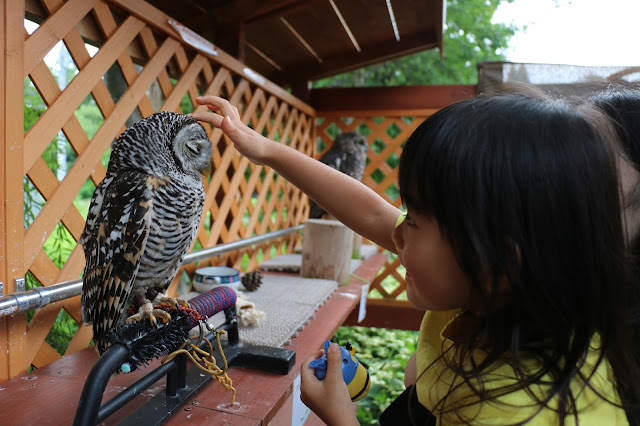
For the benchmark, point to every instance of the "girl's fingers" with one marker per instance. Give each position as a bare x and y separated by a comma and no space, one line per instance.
227,126
334,367
215,103
214,119
305,370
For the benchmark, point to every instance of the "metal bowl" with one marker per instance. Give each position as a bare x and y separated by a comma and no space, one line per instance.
211,277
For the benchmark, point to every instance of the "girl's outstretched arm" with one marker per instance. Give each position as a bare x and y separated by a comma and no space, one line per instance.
328,398
346,199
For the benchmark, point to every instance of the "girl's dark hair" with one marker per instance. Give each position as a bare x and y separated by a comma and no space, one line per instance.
621,103
525,189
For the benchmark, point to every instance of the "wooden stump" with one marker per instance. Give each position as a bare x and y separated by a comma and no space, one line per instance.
357,245
327,247
357,242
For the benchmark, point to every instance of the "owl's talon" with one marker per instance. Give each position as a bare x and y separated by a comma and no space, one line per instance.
147,311
172,302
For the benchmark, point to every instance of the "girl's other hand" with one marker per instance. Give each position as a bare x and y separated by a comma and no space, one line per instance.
328,398
248,142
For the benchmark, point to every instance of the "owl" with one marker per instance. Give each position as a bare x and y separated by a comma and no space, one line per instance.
348,154
142,219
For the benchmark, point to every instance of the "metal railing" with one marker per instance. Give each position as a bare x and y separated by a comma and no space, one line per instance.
39,297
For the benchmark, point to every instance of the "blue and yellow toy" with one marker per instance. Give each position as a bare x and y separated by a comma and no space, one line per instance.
355,374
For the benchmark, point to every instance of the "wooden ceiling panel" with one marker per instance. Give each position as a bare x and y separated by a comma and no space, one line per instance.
416,15
254,32
369,21
321,28
276,41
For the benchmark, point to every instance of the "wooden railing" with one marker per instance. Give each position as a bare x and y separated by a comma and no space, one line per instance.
157,71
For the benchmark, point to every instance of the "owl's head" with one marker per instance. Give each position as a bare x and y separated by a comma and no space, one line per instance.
351,142
190,145
163,142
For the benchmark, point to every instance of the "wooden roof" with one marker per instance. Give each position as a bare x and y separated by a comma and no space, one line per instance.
293,41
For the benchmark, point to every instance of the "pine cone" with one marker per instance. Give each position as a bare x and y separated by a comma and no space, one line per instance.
252,280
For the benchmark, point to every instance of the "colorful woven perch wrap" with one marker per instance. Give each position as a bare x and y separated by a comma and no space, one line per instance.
210,303
146,342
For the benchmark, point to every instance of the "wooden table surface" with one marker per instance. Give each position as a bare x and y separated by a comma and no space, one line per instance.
50,394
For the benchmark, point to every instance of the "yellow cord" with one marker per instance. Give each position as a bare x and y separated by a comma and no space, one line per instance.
207,361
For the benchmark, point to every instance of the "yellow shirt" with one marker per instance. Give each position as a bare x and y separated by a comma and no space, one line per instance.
513,407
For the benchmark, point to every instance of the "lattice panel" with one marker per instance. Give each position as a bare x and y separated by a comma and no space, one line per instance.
386,133
157,71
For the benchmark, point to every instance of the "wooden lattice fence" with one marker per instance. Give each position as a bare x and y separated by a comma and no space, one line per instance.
386,132
157,71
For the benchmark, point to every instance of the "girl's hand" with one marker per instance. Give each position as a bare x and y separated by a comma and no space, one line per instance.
248,142
328,398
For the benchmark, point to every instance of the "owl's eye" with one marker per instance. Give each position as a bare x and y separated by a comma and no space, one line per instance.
193,148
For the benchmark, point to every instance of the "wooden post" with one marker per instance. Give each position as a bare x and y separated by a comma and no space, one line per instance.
326,250
12,329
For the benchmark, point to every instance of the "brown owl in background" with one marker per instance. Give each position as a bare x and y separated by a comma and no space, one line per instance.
348,154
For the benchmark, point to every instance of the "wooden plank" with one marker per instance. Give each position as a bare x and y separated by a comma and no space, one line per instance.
388,98
39,328
53,210
150,45
45,356
4,271
12,329
80,340
395,314
50,394
53,30
172,103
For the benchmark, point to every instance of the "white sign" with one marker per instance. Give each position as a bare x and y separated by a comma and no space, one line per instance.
363,302
299,411
194,39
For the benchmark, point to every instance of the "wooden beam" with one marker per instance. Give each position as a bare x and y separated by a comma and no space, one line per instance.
395,314
369,55
12,329
389,98
279,9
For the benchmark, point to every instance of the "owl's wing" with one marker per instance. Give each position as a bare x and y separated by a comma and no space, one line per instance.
114,240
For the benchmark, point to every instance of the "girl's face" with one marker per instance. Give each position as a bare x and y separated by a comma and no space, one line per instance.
435,281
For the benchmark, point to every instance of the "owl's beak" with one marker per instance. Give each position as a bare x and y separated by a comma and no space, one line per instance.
207,169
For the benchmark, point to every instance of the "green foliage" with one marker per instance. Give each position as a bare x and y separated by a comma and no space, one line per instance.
469,38
385,352
89,116
186,107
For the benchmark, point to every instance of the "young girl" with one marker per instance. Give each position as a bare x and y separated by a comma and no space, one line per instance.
512,243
